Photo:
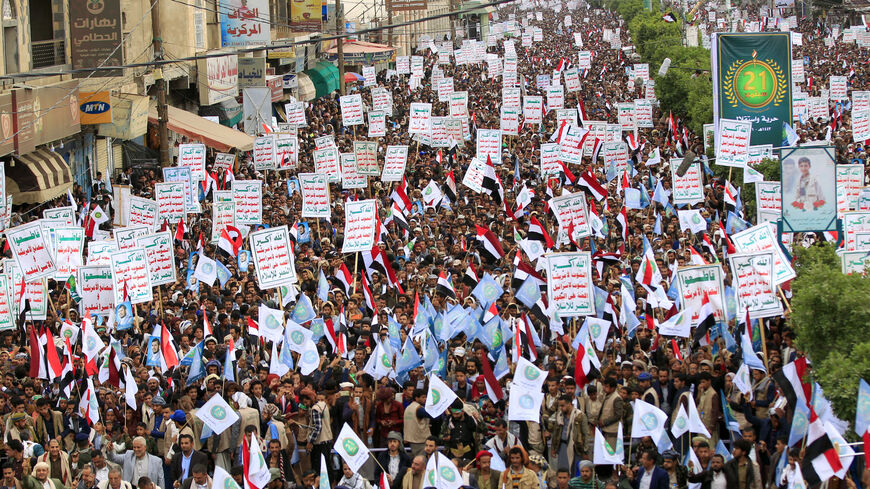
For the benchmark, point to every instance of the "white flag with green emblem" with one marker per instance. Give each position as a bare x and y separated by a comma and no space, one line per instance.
439,397
217,414
604,453
223,480
271,322
648,420
441,473
309,359
680,425
352,450
528,376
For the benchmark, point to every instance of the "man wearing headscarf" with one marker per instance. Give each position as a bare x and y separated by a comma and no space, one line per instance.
587,478
40,478
274,428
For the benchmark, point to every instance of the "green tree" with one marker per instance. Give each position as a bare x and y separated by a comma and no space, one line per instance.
830,314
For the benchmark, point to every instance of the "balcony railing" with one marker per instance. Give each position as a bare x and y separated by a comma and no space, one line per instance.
48,53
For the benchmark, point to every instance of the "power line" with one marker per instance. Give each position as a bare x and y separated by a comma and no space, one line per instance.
231,52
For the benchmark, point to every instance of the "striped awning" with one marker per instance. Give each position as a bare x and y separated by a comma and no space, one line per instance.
37,177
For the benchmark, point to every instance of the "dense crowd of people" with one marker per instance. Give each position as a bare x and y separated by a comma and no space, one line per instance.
158,441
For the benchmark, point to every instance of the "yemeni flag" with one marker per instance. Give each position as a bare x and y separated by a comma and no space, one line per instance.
589,183
370,298
585,369
596,149
790,379
444,286
470,277
730,196
37,362
167,348
490,244
731,249
343,279
538,232
493,388
449,187
696,257
398,218
524,271
231,240
821,460
490,183
400,196
706,320
622,222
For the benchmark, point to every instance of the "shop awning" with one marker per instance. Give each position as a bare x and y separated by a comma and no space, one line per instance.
37,177
325,78
305,89
228,111
359,52
210,133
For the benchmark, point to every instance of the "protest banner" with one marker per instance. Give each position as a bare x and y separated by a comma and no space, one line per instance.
762,237
473,178
264,153
458,104
768,201
248,196
377,124
694,282
31,251
395,160
67,213
752,79
382,100
94,283
125,238
510,121
68,247
613,133
34,290
445,88
326,162
555,97
732,143
159,251
753,276
510,97
315,195
7,321
838,88
597,130
327,141
352,110
420,120
860,101
569,283
360,226
572,80
850,179
689,188
286,152
369,76
533,110
350,178
641,70
566,116
643,113
222,196
223,215
141,212
860,126
100,252
170,202
489,145
754,156
403,65
550,159
571,145
48,227
440,138
273,260
570,212
130,275
223,161
854,262
809,189
625,116
855,223
584,60
296,114
182,174
193,156
366,153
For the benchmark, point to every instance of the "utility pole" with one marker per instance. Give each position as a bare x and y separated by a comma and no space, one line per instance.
160,84
390,22
339,30
453,19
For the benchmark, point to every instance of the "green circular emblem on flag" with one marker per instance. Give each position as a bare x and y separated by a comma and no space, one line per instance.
297,337
681,422
595,329
432,478
799,422
218,412
696,219
67,333
299,310
496,338
448,474
532,373
385,361
526,401
98,215
863,403
489,290
229,483
440,364
610,450
754,83
207,268
309,357
650,422
272,323
92,343
436,396
350,446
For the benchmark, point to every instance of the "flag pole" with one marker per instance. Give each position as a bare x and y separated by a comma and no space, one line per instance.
763,342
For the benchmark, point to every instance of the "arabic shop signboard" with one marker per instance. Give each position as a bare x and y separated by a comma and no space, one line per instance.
218,79
95,30
244,23
252,72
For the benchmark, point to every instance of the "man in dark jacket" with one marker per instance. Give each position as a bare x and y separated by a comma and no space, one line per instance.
707,477
186,459
657,476
395,461
741,472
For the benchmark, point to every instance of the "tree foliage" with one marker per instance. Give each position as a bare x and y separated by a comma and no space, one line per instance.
830,314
